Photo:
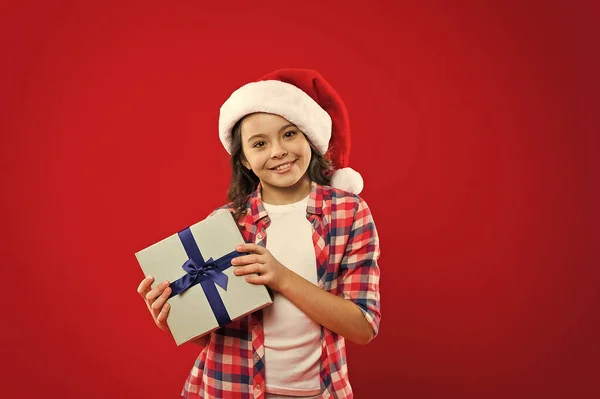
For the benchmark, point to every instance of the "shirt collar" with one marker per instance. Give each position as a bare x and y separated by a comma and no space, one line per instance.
314,206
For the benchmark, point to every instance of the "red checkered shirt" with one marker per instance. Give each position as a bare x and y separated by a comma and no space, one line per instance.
232,365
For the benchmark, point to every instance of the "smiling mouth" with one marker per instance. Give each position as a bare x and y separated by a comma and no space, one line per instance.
284,166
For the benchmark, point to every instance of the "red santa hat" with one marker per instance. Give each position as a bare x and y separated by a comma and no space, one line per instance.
307,100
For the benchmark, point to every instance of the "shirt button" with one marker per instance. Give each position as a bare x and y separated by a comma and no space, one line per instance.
258,386
257,358
259,236
256,327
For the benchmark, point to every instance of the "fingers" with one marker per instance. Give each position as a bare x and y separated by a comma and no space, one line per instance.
257,249
161,319
157,305
144,286
156,299
155,292
245,260
247,269
254,279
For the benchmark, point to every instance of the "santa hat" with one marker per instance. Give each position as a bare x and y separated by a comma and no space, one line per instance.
307,100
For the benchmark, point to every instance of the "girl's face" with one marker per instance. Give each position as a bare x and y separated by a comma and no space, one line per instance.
279,155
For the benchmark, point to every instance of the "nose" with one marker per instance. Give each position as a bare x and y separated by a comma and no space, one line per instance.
278,151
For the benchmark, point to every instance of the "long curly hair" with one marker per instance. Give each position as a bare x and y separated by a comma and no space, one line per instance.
244,181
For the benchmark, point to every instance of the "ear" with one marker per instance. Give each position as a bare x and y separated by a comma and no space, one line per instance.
246,164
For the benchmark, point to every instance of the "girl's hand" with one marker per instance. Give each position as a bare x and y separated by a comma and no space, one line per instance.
270,272
156,301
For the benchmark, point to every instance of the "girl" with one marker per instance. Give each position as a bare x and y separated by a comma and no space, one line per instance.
288,137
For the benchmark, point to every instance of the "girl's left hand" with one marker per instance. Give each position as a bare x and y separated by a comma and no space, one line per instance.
270,272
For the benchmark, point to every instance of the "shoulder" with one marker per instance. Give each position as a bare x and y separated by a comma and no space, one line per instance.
336,197
344,208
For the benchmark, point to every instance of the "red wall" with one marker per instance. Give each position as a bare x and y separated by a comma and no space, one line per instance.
473,127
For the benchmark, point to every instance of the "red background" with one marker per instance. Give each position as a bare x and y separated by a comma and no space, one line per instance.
473,126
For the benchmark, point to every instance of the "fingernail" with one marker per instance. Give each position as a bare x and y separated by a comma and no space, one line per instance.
239,247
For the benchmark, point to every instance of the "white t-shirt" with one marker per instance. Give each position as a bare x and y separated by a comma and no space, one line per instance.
292,339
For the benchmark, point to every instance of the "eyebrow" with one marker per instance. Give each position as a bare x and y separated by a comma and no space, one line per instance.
286,126
259,135
255,136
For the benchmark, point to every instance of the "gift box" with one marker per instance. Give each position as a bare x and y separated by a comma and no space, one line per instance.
197,262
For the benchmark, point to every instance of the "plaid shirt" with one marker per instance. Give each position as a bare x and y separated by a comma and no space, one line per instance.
347,248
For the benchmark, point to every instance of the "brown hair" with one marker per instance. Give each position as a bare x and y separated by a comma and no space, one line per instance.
244,181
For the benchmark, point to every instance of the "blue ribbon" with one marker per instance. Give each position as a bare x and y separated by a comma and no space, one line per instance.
206,273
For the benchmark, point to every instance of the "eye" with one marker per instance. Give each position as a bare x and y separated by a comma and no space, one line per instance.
288,134
259,144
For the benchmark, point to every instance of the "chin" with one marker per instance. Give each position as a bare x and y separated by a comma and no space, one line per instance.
286,182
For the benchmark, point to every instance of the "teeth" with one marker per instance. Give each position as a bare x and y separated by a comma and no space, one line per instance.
281,167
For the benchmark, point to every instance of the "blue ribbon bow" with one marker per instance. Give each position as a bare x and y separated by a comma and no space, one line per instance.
206,273
208,270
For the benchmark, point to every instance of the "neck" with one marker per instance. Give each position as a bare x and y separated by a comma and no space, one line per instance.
286,195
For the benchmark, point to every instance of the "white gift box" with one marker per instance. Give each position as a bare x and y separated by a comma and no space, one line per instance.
191,314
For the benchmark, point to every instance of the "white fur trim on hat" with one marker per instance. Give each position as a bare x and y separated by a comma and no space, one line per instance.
347,179
279,98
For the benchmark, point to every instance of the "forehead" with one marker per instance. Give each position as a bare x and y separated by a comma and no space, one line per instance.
262,123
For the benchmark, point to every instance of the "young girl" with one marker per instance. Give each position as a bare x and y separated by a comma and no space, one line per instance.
288,137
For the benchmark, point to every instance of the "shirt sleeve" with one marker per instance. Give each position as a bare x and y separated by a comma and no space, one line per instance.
359,268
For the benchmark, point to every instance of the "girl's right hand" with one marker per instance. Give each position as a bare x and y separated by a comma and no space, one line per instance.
156,299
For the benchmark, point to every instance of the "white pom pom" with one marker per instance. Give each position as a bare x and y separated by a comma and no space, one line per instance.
347,179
